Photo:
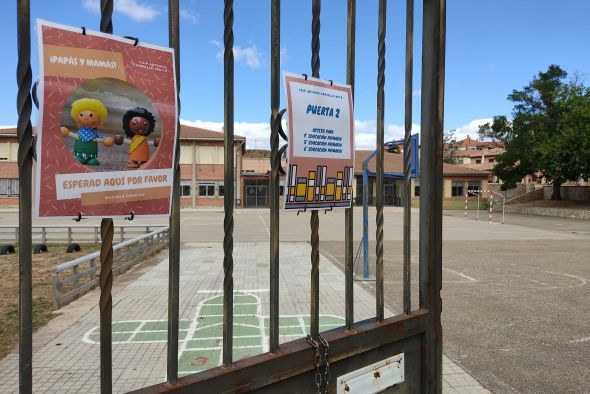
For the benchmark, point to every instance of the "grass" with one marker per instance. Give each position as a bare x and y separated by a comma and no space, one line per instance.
42,267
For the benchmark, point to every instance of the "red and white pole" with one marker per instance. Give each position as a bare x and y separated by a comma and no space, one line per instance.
466,193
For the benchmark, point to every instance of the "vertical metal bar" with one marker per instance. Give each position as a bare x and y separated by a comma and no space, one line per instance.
25,165
174,222
366,219
106,16
380,142
275,161
348,214
407,269
107,231
106,305
433,43
314,326
228,178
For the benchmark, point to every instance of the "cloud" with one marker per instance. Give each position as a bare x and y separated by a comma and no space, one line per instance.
366,137
131,8
250,55
471,129
189,16
284,55
417,93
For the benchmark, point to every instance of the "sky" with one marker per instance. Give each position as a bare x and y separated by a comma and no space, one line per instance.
493,47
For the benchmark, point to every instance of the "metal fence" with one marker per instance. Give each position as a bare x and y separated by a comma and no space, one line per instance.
62,234
77,277
294,366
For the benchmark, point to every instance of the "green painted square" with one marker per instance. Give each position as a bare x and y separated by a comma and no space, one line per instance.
155,326
116,337
203,343
212,331
251,320
247,341
288,321
125,326
151,336
211,310
244,298
239,354
184,324
198,360
245,309
245,330
209,321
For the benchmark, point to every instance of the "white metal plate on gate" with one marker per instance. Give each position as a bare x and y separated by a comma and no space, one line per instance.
373,378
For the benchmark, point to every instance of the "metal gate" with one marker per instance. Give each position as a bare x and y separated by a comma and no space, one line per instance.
294,366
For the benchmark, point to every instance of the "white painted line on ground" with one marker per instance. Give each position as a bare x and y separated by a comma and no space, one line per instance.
581,340
265,226
462,275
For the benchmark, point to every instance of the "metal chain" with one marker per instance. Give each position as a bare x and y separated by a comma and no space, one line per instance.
317,362
326,361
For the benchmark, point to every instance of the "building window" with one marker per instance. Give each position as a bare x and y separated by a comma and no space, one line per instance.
417,191
9,188
473,187
206,190
478,161
221,190
281,190
492,160
457,190
459,161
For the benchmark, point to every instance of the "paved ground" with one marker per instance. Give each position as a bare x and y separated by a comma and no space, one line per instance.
515,314
70,361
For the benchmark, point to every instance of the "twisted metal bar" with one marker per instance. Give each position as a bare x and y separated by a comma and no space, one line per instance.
380,143
25,165
314,328
228,198
275,162
106,16
174,221
106,259
106,304
407,271
348,214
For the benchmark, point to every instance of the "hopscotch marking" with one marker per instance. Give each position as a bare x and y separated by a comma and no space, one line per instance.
197,353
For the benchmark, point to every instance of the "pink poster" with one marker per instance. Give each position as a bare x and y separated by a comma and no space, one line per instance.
107,129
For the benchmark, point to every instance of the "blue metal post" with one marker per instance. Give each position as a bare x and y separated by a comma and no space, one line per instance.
366,217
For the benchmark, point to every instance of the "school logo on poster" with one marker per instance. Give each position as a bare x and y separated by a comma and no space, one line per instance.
321,144
107,129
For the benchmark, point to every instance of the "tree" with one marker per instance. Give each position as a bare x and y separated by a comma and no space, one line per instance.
450,146
549,131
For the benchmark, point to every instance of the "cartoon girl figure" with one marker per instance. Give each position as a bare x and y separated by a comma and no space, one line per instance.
89,114
139,123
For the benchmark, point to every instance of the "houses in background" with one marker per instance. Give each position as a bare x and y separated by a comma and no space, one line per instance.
202,173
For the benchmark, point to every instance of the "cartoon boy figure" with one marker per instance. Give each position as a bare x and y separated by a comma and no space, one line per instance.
89,114
138,123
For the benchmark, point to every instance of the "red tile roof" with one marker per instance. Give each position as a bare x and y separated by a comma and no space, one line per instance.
393,163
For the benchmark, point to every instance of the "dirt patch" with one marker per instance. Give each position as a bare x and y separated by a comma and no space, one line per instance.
42,267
